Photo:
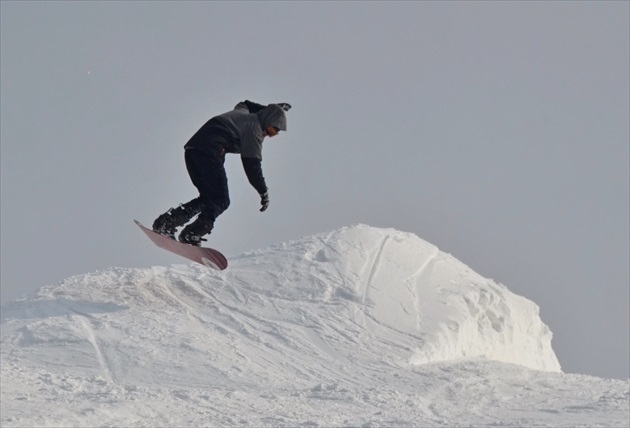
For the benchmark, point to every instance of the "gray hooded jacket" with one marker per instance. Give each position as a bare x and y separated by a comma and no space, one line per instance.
247,130
241,131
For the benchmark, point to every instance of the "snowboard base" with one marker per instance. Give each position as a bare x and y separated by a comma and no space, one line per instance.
202,255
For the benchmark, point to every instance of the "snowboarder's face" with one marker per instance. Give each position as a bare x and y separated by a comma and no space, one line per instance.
271,131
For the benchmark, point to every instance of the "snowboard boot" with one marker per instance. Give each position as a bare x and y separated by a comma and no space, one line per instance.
167,223
194,232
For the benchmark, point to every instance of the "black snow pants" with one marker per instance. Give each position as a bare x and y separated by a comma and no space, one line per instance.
207,173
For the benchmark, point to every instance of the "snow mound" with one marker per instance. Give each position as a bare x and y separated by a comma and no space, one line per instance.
393,285
386,292
356,327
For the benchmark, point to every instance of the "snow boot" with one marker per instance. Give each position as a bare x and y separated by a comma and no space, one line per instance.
194,232
167,223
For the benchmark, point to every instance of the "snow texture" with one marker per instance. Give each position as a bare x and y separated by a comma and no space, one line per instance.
357,327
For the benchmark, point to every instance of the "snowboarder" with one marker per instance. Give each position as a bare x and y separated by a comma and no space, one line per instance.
241,130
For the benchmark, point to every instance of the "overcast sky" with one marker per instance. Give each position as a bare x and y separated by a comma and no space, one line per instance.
497,131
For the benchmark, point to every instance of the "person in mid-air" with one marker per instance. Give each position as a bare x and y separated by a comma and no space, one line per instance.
241,130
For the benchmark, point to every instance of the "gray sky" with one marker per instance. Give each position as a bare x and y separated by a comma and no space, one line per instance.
497,131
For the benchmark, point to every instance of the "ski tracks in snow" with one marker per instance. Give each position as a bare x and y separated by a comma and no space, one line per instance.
368,271
412,285
89,324
375,263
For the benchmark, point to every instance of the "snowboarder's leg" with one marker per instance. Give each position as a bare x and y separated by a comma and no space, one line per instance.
208,175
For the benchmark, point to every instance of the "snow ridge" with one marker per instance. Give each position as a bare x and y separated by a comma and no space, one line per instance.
395,283
360,326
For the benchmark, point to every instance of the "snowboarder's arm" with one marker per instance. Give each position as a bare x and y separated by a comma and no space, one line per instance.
253,170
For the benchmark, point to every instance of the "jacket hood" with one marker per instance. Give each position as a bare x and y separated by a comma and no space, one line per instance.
273,115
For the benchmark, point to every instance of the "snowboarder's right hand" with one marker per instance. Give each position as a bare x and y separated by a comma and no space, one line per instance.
264,201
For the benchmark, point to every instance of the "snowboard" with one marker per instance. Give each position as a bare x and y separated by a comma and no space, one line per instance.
205,256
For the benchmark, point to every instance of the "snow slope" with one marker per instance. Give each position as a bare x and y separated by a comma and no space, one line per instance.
357,327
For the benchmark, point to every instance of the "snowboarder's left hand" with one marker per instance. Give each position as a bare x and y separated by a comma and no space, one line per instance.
264,201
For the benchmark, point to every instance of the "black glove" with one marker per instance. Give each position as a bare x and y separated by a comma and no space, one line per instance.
285,106
264,201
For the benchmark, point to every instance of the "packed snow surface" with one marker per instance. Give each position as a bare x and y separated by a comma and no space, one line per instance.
357,327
